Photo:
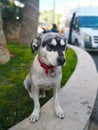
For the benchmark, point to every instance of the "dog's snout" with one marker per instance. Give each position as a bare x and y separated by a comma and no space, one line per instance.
61,60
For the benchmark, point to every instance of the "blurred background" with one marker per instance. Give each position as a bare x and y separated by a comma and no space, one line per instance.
22,20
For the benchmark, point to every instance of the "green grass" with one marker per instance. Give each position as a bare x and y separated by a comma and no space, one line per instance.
15,104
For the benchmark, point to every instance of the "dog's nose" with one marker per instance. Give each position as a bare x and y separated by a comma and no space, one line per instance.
61,60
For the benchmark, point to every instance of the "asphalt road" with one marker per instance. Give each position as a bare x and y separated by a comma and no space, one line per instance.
95,57
94,116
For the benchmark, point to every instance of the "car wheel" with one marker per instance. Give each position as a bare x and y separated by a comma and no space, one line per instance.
76,42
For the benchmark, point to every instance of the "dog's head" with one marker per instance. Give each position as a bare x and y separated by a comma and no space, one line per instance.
52,48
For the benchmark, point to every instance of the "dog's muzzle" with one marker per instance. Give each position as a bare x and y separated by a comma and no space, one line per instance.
61,60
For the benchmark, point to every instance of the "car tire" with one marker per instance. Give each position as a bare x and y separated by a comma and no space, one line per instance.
76,42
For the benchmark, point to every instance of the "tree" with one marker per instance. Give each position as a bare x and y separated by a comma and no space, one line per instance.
4,53
10,11
29,22
47,16
12,17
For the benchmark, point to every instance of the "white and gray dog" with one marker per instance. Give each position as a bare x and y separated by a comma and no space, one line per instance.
46,70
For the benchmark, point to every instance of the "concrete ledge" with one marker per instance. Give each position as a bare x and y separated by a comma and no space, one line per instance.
77,99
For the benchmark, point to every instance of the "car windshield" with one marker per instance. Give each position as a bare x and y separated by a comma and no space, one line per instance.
88,21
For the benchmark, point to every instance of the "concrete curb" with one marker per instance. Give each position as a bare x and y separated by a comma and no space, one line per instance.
77,99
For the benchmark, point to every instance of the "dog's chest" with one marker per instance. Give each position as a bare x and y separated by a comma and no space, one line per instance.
42,80
47,83
45,80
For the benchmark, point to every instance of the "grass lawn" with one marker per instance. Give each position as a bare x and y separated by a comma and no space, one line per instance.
15,104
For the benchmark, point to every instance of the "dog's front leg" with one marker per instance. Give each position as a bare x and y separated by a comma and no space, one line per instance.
35,114
58,110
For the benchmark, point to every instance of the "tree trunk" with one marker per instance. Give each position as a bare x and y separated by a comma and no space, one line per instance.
4,53
30,21
11,31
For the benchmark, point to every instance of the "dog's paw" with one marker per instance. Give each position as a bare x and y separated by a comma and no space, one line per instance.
34,117
59,112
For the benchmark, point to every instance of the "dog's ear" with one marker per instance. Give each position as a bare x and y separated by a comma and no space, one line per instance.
35,44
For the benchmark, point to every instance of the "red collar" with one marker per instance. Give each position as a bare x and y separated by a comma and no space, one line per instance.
44,66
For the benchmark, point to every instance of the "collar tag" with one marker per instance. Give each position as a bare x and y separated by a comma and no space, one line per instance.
52,73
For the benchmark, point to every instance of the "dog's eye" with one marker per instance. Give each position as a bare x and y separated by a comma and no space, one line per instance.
49,47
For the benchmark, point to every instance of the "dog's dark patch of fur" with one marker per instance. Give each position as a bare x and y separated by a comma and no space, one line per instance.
59,48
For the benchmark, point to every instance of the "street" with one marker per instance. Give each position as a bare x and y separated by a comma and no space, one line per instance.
95,57
94,116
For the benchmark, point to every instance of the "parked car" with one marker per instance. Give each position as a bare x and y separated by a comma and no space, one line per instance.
44,26
81,27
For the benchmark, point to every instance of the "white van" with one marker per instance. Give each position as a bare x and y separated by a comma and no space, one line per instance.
81,27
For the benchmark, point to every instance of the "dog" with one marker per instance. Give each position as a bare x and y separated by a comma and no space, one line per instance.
46,71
